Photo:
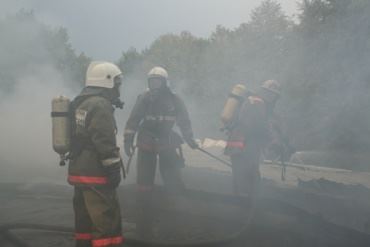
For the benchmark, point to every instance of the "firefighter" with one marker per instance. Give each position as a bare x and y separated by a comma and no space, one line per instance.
248,136
95,162
153,117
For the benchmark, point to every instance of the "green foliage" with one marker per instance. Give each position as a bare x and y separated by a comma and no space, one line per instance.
322,62
26,43
333,72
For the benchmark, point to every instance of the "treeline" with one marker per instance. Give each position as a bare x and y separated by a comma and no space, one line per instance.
322,58
26,44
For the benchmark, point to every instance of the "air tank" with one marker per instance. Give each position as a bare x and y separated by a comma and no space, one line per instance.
236,97
61,126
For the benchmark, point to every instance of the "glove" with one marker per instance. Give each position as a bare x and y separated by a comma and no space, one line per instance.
128,144
114,174
192,143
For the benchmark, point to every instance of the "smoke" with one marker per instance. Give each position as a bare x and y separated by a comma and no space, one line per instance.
25,146
37,63
122,15
318,110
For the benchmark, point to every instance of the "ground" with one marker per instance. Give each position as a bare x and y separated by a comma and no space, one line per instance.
314,206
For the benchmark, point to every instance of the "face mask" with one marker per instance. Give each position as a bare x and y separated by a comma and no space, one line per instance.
117,84
155,83
116,91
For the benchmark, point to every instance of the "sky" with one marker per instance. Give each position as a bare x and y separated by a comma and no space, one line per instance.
103,29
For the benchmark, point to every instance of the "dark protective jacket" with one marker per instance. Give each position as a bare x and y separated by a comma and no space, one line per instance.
93,138
251,127
154,116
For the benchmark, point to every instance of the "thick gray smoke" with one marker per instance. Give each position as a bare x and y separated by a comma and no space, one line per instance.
324,89
321,61
26,148
35,65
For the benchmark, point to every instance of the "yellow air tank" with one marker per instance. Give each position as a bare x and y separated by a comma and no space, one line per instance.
61,126
236,96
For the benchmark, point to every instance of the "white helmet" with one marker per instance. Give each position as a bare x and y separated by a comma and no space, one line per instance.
158,72
101,74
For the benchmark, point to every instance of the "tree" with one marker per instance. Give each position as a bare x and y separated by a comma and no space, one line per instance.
27,43
322,62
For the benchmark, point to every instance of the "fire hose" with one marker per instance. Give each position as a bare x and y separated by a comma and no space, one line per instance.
5,230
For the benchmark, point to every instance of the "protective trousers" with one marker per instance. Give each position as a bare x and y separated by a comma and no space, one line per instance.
245,169
97,217
170,169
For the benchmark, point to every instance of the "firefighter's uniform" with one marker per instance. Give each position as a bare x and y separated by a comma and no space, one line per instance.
245,143
93,155
153,118
248,136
